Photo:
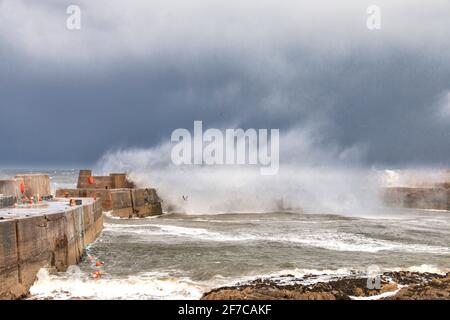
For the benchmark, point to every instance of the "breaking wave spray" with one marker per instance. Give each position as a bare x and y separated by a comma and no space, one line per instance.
314,176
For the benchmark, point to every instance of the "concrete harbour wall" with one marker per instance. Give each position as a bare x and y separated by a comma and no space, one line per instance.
123,203
419,198
7,201
53,235
35,184
118,194
114,181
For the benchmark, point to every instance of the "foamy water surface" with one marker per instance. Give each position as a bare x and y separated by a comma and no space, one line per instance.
179,256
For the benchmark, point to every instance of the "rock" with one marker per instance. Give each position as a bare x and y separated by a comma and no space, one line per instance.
388,287
419,286
358,292
436,282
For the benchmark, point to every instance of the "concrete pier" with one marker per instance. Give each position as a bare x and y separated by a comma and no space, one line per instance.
9,187
417,189
35,184
437,197
52,234
7,201
117,193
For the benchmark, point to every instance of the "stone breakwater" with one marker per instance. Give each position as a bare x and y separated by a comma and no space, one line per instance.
118,195
413,189
436,197
403,285
52,234
34,185
7,201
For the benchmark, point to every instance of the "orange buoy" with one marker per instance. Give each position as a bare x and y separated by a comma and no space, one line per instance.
98,264
96,274
91,180
22,188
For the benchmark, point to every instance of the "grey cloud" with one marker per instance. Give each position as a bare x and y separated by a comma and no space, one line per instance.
137,71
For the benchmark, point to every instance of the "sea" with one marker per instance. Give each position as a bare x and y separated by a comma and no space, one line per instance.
181,256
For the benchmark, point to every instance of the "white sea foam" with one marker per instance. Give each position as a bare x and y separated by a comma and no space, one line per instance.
320,275
297,276
340,241
312,276
169,230
425,268
379,296
76,284
330,240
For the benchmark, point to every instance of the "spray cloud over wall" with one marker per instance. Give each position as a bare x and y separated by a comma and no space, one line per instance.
314,175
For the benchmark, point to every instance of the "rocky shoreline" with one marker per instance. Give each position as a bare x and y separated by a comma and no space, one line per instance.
402,285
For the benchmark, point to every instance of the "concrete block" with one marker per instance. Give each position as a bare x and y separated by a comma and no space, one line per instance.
83,178
7,201
420,198
123,212
139,197
121,198
155,209
146,202
124,202
98,226
8,244
119,180
89,224
152,195
35,184
33,247
10,286
105,196
102,183
9,187
58,240
73,239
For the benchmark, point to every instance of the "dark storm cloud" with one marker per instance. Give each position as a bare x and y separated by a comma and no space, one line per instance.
133,74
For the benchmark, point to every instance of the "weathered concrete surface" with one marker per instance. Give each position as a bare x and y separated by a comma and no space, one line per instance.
36,184
9,187
46,236
114,181
145,202
111,199
417,189
10,284
119,181
420,198
7,201
117,193
123,203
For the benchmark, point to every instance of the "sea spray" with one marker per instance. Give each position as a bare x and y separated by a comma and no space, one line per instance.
312,177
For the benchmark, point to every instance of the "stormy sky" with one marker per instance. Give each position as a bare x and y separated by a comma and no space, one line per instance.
136,70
